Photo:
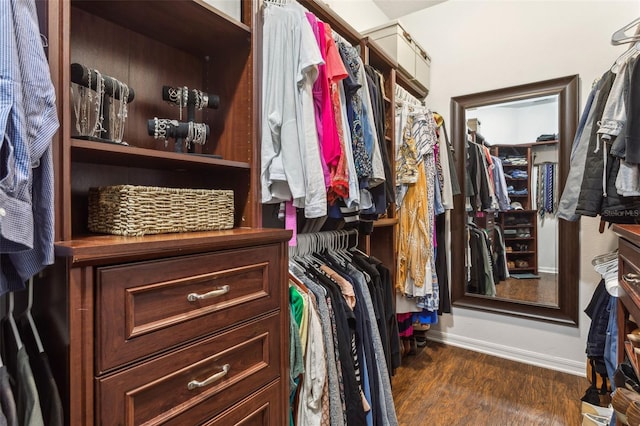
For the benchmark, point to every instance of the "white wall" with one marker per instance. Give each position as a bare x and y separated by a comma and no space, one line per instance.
360,14
483,45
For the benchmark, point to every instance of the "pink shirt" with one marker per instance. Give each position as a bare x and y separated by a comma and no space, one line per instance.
335,72
321,98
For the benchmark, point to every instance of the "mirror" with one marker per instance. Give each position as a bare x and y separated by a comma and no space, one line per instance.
530,129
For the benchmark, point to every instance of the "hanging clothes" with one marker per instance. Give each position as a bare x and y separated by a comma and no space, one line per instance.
28,121
480,262
351,287
604,155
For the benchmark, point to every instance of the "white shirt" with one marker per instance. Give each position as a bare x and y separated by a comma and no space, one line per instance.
280,139
309,57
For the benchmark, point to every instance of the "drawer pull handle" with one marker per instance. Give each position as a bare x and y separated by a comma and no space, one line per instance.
194,384
632,278
192,297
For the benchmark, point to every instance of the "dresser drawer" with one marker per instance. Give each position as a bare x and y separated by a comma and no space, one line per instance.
261,409
164,390
144,308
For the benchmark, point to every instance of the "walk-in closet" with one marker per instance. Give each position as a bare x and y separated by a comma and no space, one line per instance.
319,212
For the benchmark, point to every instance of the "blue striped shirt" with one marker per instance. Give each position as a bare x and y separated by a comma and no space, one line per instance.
28,121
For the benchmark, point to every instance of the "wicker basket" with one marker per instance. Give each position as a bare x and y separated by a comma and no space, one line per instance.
141,210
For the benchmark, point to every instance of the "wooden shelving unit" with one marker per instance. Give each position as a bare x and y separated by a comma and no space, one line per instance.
520,226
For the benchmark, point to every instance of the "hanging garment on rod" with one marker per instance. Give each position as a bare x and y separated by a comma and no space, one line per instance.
27,128
49,397
15,356
606,152
325,147
317,259
481,264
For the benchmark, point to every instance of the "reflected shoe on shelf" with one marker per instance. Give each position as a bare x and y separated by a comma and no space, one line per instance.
511,264
524,233
509,249
522,263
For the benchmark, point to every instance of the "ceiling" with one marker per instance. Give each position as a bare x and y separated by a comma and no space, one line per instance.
397,8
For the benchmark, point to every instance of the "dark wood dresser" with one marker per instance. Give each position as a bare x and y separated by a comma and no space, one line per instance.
629,278
180,329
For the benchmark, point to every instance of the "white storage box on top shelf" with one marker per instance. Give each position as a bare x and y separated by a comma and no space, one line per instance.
399,44
233,8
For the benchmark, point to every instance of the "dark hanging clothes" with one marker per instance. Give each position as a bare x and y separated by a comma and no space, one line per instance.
345,330
390,318
453,176
376,290
591,190
28,402
23,383
379,113
7,400
632,133
477,242
480,196
499,256
598,312
441,266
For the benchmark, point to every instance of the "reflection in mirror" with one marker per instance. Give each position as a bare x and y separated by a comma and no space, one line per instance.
521,142
509,252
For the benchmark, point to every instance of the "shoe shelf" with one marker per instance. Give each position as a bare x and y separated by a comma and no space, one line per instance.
523,227
631,355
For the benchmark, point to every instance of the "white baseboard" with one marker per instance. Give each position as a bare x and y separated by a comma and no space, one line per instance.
514,354
547,270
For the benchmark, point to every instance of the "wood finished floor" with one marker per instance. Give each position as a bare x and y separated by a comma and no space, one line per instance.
445,385
543,290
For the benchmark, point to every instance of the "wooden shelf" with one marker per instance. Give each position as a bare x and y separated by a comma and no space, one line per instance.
165,21
105,248
411,85
325,14
385,222
128,156
518,238
628,348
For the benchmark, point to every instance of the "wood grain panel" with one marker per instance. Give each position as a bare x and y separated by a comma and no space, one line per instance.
156,391
260,409
446,385
143,307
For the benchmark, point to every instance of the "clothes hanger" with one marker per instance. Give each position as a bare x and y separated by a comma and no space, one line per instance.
619,37
625,57
12,322
32,323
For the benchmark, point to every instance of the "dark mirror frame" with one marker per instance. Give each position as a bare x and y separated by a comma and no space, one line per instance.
566,313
